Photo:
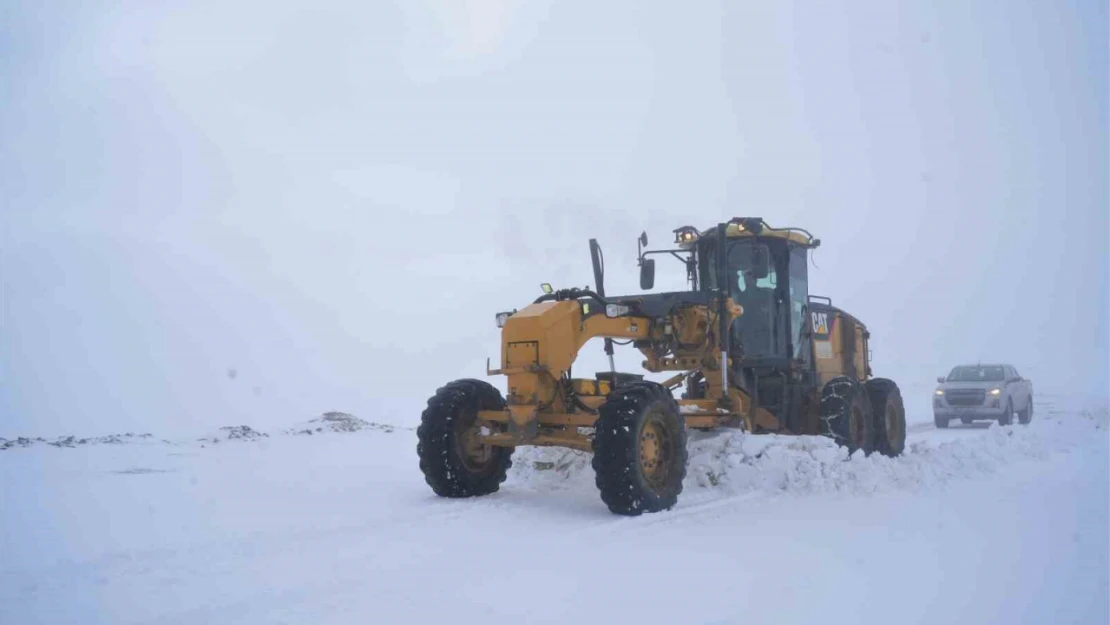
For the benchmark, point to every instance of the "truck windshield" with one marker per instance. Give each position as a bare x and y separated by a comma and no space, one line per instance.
977,374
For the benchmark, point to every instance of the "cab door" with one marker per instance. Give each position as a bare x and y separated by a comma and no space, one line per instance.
801,328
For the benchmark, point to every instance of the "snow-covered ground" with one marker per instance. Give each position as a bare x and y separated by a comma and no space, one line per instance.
973,524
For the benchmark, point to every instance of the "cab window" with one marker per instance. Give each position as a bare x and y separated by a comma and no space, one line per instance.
799,298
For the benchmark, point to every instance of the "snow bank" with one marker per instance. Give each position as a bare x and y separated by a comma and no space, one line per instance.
735,463
551,467
731,462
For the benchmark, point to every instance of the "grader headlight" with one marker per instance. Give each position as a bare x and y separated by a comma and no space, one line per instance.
502,318
685,234
616,310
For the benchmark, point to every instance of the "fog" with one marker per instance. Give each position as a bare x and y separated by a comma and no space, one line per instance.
217,213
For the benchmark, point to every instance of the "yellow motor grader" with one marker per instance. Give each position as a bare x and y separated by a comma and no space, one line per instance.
748,346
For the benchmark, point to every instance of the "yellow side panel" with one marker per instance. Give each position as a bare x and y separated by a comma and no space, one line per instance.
540,342
831,353
522,354
861,354
827,349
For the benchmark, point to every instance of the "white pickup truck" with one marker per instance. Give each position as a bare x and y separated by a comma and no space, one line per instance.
983,392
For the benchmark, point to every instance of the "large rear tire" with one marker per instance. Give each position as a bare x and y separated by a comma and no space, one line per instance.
454,461
639,449
889,416
846,415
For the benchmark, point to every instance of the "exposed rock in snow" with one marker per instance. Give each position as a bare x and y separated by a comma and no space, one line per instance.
20,442
235,433
327,422
73,441
337,422
141,471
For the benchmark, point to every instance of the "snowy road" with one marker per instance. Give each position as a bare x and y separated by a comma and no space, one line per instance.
973,525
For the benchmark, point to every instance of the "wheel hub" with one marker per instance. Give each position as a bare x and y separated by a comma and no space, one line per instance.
655,452
474,453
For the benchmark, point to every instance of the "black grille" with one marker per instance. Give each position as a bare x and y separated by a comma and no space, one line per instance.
966,396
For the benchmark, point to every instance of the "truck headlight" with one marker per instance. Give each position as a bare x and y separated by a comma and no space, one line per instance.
996,391
616,310
502,318
939,392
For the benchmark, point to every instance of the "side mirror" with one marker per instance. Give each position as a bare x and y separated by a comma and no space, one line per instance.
647,274
941,379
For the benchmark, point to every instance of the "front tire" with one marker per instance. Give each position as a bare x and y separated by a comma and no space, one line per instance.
889,416
940,422
1025,416
639,450
1007,417
454,462
846,415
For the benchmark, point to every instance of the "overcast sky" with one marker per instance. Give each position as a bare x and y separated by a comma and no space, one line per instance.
252,212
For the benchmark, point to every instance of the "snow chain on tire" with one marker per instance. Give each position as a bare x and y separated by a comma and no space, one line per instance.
840,398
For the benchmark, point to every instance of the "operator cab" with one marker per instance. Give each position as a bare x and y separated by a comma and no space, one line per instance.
765,271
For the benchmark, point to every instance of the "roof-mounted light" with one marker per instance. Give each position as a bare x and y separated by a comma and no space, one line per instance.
685,235
753,225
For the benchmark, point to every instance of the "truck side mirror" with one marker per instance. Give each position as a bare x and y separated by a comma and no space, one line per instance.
647,273
941,379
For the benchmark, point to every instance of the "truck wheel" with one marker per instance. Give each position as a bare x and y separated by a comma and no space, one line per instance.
1025,416
639,449
940,422
1007,417
454,461
889,416
846,415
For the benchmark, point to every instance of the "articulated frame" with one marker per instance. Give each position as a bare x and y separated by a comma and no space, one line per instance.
547,408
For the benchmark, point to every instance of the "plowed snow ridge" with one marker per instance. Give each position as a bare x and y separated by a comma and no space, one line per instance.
730,462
